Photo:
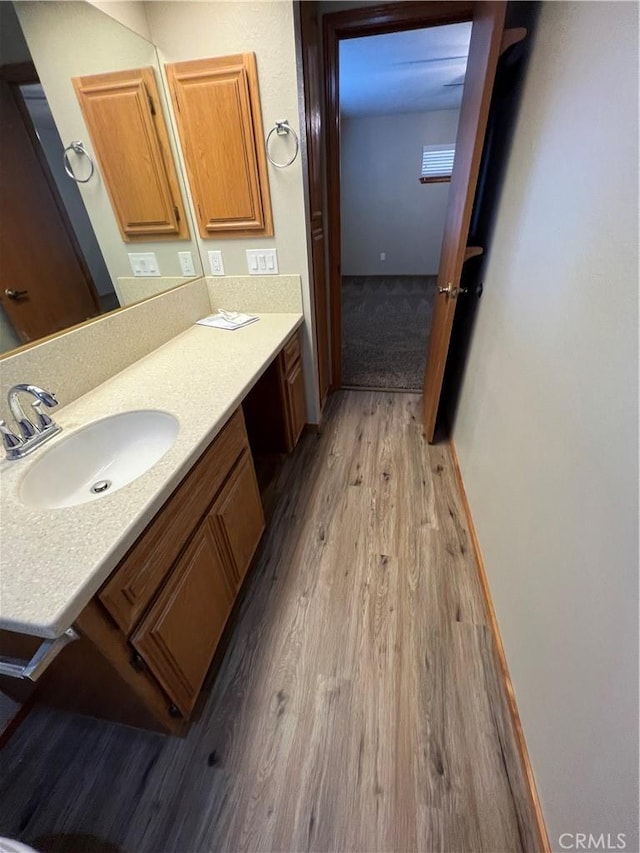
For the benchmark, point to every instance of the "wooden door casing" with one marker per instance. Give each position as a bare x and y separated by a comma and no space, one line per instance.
178,637
237,519
123,114
484,52
39,251
217,108
371,20
486,41
311,48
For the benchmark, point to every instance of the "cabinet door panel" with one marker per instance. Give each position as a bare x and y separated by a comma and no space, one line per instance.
217,107
123,114
294,403
179,636
134,583
237,518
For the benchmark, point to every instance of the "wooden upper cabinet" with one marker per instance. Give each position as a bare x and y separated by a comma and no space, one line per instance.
217,109
123,114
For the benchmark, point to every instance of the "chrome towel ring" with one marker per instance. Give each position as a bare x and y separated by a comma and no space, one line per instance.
282,128
78,149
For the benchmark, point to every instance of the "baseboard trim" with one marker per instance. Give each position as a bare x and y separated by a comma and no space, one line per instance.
545,846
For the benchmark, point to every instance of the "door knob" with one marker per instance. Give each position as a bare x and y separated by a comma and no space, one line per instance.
452,291
15,294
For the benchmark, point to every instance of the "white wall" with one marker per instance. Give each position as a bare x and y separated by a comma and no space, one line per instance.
384,207
547,430
130,13
190,30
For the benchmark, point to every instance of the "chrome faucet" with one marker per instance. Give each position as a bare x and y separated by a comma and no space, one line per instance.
30,434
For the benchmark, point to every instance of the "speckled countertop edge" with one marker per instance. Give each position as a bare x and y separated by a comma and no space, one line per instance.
52,562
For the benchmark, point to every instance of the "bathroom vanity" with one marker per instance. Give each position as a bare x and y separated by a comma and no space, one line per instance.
136,587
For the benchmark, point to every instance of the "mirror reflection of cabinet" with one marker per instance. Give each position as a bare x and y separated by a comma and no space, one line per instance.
217,110
123,114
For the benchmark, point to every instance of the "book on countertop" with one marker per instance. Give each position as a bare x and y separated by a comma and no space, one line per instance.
228,320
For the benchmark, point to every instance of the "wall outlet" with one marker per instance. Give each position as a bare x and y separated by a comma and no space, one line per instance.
216,263
383,256
144,263
186,263
262,261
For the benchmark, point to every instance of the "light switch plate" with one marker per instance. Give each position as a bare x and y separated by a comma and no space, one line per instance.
262,261
216,263
144,263
186,263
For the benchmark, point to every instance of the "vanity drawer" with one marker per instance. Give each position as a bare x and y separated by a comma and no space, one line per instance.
136,580
291,352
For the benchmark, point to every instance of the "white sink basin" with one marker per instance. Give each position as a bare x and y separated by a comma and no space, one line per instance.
98,459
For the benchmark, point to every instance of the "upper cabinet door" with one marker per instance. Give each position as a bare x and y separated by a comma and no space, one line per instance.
123,114
217,109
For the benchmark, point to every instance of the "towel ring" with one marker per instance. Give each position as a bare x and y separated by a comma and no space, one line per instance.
79,149
282,128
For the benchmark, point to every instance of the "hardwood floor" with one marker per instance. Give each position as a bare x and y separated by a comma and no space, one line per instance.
358,706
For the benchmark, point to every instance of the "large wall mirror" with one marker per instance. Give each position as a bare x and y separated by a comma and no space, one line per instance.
64,256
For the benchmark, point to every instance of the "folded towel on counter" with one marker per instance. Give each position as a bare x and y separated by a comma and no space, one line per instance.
228,320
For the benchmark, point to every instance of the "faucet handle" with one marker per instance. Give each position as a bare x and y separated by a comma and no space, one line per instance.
9,439
42,419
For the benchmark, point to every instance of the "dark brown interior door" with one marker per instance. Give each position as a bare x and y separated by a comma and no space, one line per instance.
45,285
484,51
311,38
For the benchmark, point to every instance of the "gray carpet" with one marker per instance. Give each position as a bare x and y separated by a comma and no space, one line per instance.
385,330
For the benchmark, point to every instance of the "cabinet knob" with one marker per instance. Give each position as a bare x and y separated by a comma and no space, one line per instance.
174,711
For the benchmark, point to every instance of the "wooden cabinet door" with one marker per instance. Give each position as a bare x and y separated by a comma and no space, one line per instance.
237,518
217,109
295,403
123,114
128,592
179,635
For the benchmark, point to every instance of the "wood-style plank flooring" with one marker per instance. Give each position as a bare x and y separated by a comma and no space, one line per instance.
358,706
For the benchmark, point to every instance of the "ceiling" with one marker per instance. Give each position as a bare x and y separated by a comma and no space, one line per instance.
406,72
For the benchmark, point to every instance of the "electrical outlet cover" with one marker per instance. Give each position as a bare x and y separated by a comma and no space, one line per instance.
186,263
216,263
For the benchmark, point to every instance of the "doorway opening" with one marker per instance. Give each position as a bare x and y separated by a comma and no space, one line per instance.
399,97
488,38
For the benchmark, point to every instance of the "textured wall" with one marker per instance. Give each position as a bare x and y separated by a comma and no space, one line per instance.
191,30
385,208
547,430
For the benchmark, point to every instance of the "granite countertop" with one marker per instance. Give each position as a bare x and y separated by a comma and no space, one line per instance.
53,561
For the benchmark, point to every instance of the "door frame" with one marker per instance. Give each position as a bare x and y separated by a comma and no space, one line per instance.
355,23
